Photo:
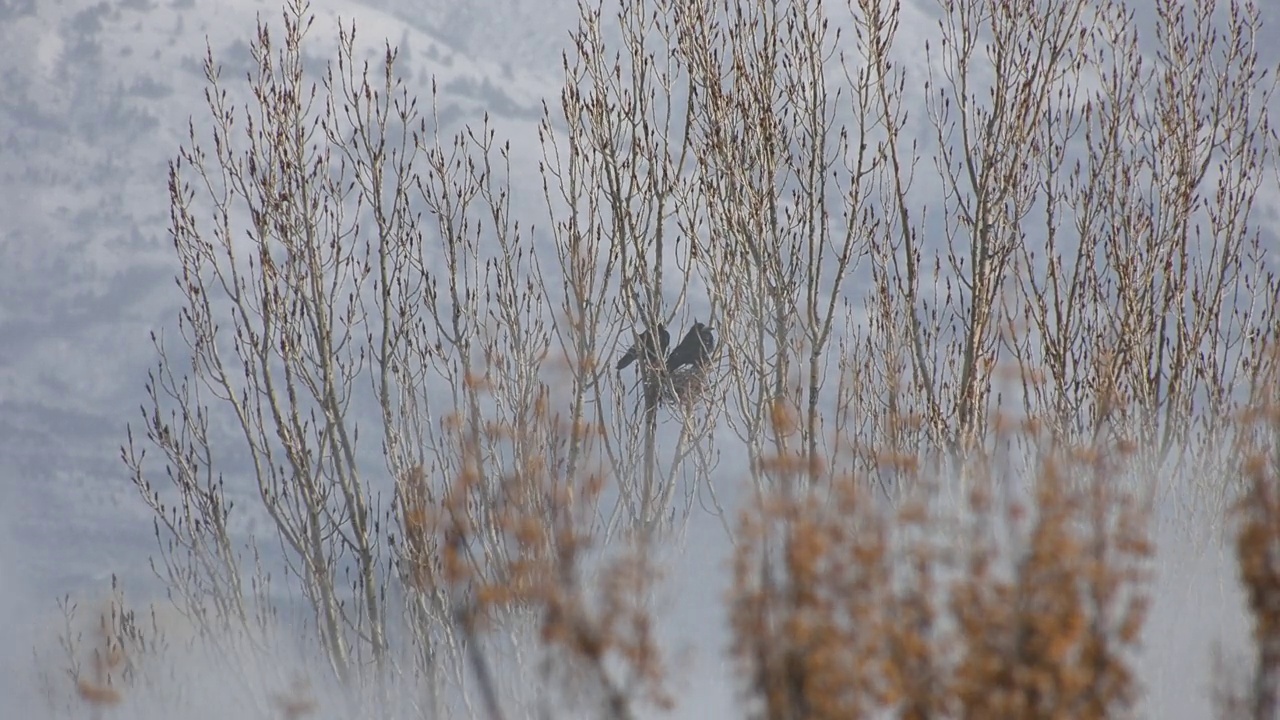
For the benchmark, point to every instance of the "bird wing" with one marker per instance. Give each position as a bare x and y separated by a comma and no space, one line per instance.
685,352
627,358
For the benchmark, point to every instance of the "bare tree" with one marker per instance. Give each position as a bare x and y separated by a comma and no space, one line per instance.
776,172
364,273
621,185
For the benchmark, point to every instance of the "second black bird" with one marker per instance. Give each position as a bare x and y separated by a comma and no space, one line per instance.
695,349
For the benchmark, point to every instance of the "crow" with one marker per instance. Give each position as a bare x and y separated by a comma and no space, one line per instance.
695,349
645,344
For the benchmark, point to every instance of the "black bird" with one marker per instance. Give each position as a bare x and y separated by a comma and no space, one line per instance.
645,344
695,349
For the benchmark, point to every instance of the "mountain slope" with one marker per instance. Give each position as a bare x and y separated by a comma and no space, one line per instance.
94,101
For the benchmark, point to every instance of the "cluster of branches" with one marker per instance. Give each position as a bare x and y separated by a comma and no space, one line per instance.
1051,221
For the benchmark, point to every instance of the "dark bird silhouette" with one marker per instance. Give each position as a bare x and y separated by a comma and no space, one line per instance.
645,343
695,349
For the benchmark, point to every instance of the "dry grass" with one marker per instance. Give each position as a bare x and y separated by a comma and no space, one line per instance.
1257,547
843,609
